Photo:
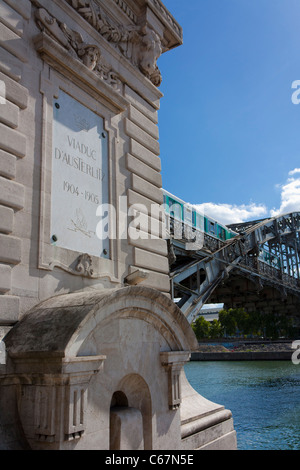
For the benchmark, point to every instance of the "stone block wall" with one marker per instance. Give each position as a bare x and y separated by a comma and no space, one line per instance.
41,54
84,324
14,96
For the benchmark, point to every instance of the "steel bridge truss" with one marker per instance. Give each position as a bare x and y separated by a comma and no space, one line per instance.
266,252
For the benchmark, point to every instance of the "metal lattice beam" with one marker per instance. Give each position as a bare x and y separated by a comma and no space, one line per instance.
266,251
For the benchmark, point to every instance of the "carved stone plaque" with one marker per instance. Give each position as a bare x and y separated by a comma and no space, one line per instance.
79,177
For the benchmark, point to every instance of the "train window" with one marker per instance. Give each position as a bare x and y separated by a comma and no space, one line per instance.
187,215
222,233
200,222
175,209
212,227
194,219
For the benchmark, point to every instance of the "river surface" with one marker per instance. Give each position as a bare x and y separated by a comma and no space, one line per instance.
263,396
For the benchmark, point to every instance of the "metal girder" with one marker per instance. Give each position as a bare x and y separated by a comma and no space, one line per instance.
197,273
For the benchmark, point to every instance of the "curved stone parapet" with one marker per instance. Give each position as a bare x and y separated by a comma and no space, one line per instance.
62,324
104,370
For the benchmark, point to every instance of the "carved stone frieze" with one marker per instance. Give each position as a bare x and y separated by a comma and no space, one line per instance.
141,45
123,5
89,54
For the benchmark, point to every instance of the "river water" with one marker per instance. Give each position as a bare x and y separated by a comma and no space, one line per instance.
263,396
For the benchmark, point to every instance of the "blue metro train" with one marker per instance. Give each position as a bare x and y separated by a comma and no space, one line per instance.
187,214
179,210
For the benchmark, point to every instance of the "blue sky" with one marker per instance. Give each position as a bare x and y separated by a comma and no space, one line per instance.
229,131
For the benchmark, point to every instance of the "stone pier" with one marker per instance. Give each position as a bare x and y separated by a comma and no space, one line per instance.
92,349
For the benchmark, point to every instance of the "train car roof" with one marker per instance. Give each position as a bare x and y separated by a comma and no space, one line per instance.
176,197
193,206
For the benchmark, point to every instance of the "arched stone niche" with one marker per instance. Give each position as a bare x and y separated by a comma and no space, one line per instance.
131,415
74,354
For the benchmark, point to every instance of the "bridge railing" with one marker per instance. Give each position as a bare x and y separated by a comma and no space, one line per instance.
254,264
290,280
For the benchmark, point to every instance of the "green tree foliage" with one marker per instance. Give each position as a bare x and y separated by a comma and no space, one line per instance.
255,324
205,330
275,326
228,321
216,329
238,322
201,328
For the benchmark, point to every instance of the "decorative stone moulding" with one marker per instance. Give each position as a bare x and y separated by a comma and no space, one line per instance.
89,54
141,45
173,363
66,53
54,396
84,265
61,60
123,5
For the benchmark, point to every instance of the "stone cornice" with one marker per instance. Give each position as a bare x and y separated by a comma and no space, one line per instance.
158,7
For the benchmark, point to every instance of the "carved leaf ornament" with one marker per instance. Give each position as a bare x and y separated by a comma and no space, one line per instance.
141,45
89,54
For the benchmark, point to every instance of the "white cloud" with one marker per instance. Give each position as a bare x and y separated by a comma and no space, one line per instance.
290,194
294,172
231,214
